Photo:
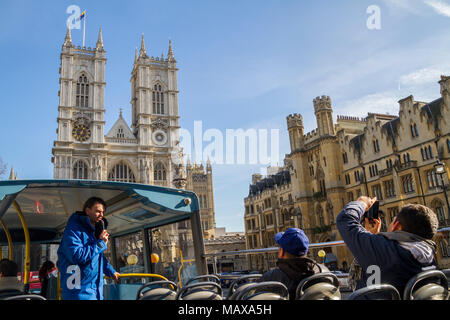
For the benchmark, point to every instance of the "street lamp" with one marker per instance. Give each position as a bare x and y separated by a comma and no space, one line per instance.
439,168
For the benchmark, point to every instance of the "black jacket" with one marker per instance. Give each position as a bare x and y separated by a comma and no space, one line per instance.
291,271
399,255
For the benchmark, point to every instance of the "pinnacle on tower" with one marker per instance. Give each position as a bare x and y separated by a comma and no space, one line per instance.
142,51
170,55
99,46
68,39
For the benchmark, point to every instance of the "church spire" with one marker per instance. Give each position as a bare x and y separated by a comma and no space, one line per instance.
99,46
170,53
68,39
142,51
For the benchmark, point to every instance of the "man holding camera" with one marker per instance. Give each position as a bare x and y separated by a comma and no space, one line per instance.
399,254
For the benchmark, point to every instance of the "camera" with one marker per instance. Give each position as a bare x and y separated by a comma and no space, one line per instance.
373,212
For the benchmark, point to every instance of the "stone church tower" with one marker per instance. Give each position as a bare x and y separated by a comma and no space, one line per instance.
146,152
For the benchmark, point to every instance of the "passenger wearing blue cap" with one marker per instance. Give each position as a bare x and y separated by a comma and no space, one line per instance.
292,265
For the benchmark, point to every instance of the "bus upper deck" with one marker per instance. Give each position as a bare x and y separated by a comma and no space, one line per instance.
36,212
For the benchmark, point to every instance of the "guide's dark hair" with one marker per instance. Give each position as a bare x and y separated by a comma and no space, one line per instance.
92,201
8,268
418,219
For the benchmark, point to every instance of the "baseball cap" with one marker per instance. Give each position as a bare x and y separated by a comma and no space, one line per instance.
293,240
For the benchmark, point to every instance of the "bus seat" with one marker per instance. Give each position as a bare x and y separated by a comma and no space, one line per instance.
155,291
375,292
26,297
427,285
447,274
200,291
319,286
241,283
267,290
6,293
203,278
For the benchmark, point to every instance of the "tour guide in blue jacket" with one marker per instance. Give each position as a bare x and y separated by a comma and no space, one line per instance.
402,252
81,261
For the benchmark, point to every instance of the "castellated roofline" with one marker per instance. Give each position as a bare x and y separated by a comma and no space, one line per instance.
323,102
294,120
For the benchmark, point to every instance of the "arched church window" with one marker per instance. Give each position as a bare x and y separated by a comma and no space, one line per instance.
158,99
80,170
160,172
121,172
82,94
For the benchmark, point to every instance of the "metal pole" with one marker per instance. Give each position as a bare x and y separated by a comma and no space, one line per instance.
26,271
8,236
199,245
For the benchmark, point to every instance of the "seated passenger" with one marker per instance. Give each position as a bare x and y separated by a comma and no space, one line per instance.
394,256
292,265
9,283
46,272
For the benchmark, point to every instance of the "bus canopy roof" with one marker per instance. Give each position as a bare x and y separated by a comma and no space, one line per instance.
47,204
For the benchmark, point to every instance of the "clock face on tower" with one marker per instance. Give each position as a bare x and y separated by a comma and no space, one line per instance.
81,133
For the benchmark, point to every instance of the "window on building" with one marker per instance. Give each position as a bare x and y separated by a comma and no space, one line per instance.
392,213
80,170
414,130
376,192
344,157
427,153
82,93
121,172
406,158
389,189
434,180
376,146
120,133
389,164
158,99
160,172
347,178
408,184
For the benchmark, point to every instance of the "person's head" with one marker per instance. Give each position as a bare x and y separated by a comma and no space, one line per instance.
8,268
293,243
46,267
95,208
416,219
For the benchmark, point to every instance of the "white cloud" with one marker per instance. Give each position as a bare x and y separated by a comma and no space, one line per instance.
381,102
439,6
421,76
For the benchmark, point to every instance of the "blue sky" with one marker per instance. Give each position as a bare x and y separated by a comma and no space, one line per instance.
242,64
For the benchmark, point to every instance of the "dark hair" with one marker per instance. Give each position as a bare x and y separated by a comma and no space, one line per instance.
92,201
8,268
46,267
418,219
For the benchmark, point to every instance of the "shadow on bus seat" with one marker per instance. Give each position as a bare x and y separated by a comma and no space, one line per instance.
239,284
156,291
320,286
26,297
204,278
267,290
200,291
427,285
376,292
